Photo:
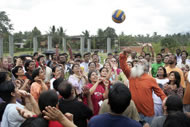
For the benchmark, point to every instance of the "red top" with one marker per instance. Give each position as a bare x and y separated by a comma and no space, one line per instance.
54,124
96,97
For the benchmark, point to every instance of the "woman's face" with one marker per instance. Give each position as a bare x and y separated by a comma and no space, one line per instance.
5,63
104,72
129,64
160,71
57,71
92,67
42,74
19,62
172,77
76,69
107,65
31,66
94,77
20,72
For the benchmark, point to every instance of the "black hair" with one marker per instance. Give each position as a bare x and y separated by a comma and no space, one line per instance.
85,54
178,119
119,98
6,88
91,63
147,54
35,122
165,72
174,104
110,54
185,52
36,53
159,54
89,75
15,70
3,76
130,63
56,83
54,69
39,57
78,54
177,78
101,69
163,49
35,73
47,98
65,89
27,63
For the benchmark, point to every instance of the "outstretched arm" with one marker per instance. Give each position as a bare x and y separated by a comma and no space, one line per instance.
123,63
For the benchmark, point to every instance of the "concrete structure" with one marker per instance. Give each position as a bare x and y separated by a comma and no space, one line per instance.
49,42
82,41
64,44
35,44
108,45
11,46
89,45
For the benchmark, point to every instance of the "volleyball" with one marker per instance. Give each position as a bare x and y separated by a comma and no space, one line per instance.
118,16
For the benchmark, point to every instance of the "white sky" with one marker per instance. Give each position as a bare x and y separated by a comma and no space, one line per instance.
75,16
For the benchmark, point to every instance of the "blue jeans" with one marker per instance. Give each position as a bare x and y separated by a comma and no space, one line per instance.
146,118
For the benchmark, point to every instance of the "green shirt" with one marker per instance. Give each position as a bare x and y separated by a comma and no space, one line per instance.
155,67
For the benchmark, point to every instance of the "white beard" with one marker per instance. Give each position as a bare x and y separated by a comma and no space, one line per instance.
137,71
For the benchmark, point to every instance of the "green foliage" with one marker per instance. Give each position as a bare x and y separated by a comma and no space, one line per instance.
169,43
5,25
157,47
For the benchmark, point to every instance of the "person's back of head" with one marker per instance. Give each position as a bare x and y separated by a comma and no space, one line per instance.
35,122
65,89
6,88
56,83
174,104
178,119
119,98
47,98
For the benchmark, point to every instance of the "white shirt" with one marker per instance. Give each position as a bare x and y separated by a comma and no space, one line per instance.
161,82
85,65
76,83
11,117
51,83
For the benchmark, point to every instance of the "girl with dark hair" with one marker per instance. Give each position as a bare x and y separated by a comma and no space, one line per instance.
56,71
38,84
98,92
91,66
29,67
78,78
173,87
161,80
9,116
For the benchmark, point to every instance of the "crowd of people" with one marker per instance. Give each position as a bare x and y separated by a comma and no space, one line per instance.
72,90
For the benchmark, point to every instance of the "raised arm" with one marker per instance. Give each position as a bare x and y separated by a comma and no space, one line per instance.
123,63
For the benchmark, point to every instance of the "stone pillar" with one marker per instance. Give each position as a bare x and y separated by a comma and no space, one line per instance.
89,45
35,44
49,42
1,47
82,40
108,45
64,44
11,46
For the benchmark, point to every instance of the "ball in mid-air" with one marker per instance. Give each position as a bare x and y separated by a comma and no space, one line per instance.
118,16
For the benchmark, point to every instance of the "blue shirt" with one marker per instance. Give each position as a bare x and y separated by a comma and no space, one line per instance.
108,120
